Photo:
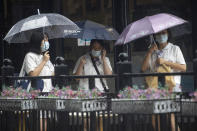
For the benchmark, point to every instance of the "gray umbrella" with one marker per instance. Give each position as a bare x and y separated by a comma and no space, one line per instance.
93,30
55,25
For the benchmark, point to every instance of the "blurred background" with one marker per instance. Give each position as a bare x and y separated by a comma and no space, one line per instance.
113,13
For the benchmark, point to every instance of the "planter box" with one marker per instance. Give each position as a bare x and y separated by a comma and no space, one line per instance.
72,105
10,104
86,105
189,108
145,106
44,103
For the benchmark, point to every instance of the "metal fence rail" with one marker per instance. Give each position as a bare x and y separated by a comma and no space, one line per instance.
97,76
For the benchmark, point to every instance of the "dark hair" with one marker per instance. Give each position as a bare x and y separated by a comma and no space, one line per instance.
35,42
169,35
47,35
98,41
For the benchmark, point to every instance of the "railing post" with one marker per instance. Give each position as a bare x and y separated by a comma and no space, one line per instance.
7,70
91,82
123,81
195,72
61,69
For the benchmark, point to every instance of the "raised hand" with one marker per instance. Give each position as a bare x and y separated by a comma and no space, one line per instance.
153,48
103,54
83,60
46,56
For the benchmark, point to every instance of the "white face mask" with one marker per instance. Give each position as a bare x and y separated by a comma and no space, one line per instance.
45,46
162,38
96,53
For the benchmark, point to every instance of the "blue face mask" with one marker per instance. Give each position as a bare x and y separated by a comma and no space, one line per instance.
45,46
96,53
162,38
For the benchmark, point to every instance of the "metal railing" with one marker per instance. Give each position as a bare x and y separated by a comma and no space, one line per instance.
104,120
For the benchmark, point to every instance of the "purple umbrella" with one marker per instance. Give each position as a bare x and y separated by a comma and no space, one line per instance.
147,26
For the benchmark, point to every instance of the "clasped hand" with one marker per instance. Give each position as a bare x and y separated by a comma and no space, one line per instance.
161,61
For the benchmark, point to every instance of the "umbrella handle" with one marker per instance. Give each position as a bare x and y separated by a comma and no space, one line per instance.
38,11
152,40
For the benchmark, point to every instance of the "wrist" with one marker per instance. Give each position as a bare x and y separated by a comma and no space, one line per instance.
81,64
45,61
151,51
168,63
103,58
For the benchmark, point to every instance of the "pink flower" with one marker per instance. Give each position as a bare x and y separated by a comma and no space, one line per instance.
195,93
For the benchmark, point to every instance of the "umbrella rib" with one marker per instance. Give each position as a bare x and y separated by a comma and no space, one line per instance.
151,24
126,36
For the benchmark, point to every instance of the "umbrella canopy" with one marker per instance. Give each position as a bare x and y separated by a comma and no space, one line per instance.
55,25
179,31
147,26
93,30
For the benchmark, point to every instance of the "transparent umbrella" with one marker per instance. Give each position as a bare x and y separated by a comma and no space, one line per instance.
55,25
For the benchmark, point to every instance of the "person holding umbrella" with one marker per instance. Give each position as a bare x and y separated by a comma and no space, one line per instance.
162,54
165,53
94,62
37,62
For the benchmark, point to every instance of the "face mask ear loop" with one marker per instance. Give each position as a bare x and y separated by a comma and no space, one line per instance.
44,45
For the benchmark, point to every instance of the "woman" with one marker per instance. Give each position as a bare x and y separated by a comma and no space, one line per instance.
166,54
37,61
85,66
169,55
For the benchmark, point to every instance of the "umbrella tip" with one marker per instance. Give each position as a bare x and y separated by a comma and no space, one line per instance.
38,11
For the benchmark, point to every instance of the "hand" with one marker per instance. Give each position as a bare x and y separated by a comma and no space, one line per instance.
161,61
153,48
103,54
83,60
46,56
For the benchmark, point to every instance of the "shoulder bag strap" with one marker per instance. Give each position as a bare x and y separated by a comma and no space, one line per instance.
102,82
